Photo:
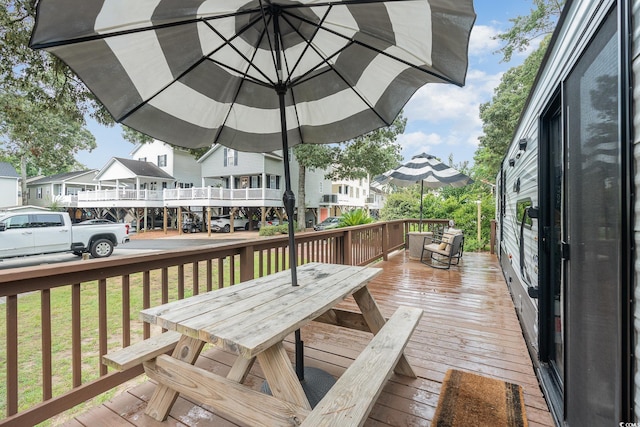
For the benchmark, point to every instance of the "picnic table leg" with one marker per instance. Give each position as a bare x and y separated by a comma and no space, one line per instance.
240,369
375,320
187,350
281,376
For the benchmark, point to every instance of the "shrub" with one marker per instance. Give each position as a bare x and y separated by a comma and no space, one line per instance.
355,217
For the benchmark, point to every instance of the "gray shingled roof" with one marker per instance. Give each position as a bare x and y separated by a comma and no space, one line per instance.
59,177
7,170
147,169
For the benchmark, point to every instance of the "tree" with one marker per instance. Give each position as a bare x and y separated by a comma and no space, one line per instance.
43,104
501,115
365,156
525,29
45,139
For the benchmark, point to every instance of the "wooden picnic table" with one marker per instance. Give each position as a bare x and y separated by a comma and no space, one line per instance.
252,320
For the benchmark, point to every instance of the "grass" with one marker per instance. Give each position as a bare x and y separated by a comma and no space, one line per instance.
30,326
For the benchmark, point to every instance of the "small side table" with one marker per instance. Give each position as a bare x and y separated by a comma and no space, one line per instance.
415,241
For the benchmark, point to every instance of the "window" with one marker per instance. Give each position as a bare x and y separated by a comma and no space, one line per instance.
162,161
273,181
521,205
39,193
18,221
230,157
255,181
142,159
47,220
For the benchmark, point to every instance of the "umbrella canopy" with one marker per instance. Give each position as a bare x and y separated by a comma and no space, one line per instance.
426,170
257,75
193,73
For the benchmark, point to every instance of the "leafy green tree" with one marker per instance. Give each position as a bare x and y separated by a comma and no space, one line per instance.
45,139
525,29
367,155
501,115
42,103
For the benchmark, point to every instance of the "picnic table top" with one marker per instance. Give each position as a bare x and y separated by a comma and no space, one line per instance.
250,317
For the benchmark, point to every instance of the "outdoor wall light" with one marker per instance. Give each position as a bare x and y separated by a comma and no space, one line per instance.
512,162
523,144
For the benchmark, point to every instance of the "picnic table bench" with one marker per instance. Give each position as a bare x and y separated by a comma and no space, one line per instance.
252,319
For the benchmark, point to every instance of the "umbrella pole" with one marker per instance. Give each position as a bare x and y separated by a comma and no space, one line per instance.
421,196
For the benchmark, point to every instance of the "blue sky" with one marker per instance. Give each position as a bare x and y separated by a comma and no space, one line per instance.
441,119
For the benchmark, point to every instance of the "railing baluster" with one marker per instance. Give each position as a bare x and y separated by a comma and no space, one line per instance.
102,323
220,273
76,336
165,285
146,301
195,278
181,281
232,270
209,275
126,310
12,354
45,319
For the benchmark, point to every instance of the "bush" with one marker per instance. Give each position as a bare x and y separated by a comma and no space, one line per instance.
272,230
355,217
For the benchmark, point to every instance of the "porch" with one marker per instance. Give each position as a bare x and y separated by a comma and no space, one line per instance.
59,320
469,323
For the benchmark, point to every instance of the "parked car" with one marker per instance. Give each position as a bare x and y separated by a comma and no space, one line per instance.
223,223
36,232
330,222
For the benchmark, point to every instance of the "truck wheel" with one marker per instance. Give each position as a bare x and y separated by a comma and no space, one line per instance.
101,248
226,228
246,226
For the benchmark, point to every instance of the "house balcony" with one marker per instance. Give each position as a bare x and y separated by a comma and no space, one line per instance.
61,318
223,197
121,198
337,199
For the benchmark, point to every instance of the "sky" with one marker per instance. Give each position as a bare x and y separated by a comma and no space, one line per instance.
442,120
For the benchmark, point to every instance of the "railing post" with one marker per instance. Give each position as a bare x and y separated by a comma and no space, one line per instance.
385,241
246,263
346,248
492,238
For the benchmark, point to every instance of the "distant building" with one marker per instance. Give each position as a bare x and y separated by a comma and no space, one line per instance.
9,186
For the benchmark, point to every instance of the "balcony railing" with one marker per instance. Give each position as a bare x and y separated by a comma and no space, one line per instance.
218,193
112,195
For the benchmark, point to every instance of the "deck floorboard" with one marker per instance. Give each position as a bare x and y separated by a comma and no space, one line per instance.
469,323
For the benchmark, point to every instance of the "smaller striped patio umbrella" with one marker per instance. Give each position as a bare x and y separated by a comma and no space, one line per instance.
426,170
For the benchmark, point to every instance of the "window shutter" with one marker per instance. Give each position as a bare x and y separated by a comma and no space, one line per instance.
235,157
225,157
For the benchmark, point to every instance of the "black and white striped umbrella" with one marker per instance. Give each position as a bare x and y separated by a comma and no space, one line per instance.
198,72
426,170
257,75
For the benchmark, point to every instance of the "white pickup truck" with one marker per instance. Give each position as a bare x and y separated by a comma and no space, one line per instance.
42,232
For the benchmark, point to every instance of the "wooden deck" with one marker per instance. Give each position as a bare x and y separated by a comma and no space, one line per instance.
469,323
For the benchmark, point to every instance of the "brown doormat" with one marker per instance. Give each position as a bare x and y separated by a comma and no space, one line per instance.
468,399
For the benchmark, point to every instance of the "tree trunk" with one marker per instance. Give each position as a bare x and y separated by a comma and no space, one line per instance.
23,175
302,208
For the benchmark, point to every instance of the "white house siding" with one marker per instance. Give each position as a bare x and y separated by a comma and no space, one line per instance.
9,189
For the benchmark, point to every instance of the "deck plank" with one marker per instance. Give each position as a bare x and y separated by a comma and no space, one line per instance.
469,323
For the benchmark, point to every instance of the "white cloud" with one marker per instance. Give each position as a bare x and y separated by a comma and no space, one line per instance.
482,40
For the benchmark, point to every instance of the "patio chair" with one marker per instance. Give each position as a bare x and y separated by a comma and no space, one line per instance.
444,252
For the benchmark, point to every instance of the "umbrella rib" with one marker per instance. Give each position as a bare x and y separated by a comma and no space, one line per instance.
153,27
242,81
242,55
308,42
381,52
265,24
326,61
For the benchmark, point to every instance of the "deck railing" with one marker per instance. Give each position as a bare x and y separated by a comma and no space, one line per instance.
60,319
